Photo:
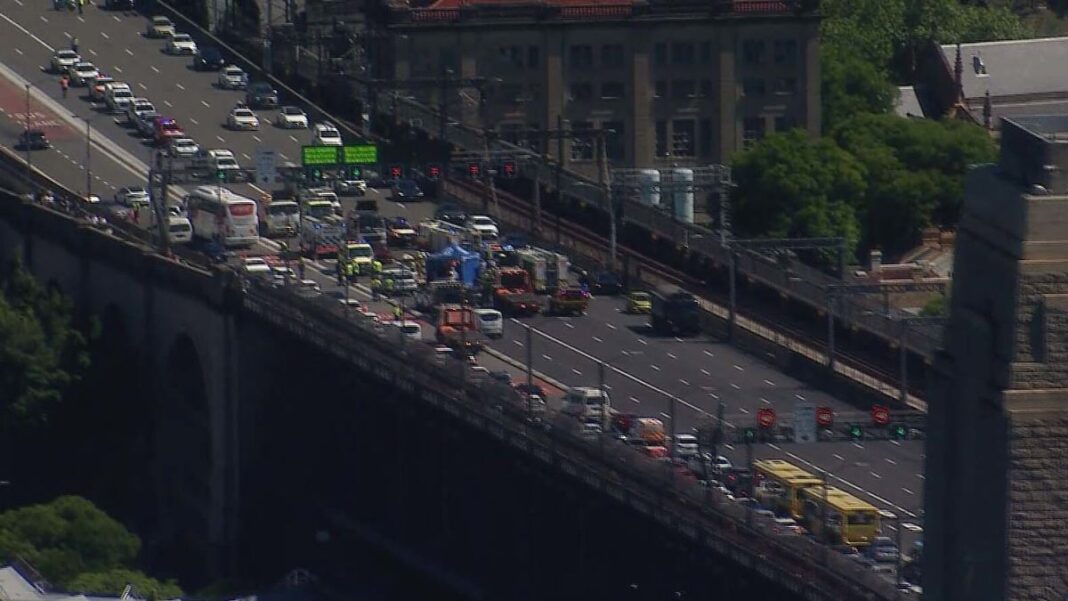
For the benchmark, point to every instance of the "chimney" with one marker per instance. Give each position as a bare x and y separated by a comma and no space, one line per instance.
988,112
876,263
958,74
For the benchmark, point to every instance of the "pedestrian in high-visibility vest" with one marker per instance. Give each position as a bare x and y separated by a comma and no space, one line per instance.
387,286
397,313
350,270
376,266
81,8
376,287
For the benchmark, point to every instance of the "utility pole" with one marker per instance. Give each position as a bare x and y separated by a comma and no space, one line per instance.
606,193
267,45
88,154
26,141
443,84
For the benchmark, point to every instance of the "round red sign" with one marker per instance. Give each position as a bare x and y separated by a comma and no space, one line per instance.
766,418
824,416
880,415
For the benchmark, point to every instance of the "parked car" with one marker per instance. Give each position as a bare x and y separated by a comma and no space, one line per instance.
137,108
81,73
98,85
160,27
208,58
64,59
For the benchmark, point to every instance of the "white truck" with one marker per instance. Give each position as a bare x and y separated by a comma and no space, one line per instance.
322,230
586,403
179,229
548,270
281,217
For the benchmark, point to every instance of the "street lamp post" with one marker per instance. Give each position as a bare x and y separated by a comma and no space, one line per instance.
26,137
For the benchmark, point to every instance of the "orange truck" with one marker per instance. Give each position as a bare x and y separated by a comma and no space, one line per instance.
457,329
512,293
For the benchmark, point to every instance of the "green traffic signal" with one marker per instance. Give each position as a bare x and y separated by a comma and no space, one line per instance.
749,435
855,432
898,431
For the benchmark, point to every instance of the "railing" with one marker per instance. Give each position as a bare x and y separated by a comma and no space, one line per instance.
648,486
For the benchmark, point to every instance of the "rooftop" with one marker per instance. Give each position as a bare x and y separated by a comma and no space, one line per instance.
438,11
1053,128
1011,67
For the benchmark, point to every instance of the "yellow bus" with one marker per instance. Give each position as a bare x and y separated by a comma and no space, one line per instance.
780,483
838,516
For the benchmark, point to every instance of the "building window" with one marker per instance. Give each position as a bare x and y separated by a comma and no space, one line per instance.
683,138
581,92
683,88
704,136
786,85
706,88
706,53
682,54
660,89
533,57
612,55
582,56
613,140
753,52
783,123
511,55
661,138
660,54
785,52
582,141
610,90
753,87
752,130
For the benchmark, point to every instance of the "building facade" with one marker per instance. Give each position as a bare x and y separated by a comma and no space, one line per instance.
675,83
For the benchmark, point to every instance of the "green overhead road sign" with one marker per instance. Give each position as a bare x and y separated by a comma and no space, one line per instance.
318,155
359,154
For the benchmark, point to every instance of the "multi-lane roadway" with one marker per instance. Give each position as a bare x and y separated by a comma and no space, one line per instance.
643,372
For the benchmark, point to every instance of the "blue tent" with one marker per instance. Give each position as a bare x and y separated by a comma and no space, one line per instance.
468,265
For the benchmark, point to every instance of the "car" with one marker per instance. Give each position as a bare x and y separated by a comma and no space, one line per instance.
137,108
146,123
181,43
118,4
350,187
685,446
604,283
64,59
260,95
405,189
639,303
165,128
82,73
883,549
325,134
160,27
291,117
242,119
92,199
183,147
256,265
483,226
118,97
208,58
232,78
450,213
98,85
131,195
33,139
721,465
501,376
786,527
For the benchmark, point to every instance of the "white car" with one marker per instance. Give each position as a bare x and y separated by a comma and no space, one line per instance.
291,117
118,97
81,73
160,27
232,78
483,226
685,446
243,119
183,147
137,108
257,265
64,59
325,134
131,195
146,123
181,43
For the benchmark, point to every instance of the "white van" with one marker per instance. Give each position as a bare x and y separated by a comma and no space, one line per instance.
585,402
490,322
409,329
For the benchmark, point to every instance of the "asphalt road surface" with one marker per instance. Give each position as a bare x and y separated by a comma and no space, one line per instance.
698,373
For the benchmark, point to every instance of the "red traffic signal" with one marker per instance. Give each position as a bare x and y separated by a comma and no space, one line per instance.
509,169
766,417
396,171
433,171
824,416
880,415
474,170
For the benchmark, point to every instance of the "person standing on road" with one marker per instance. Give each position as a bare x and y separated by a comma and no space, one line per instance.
81,7
64,83
376,287
397,313
74,41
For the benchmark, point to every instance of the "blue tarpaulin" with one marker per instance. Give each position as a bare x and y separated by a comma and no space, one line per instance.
464,263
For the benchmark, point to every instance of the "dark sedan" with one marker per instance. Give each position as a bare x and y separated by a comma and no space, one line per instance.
33,140
451,213
260,95
208,58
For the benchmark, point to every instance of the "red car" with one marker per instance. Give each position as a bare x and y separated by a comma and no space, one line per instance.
164,129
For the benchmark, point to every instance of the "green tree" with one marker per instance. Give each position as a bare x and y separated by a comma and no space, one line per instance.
938,306
850,86
41,353
112,582
791,185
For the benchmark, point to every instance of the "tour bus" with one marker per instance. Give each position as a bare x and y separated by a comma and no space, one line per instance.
839,517
223,216
780,484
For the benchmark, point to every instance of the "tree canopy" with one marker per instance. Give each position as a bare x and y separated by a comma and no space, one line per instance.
77,547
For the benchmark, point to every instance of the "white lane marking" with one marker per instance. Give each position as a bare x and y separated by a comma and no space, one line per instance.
194,121
672,355
19,51
294,139
854,486
180,86
635,400
769,382
257,138
640,341
128,51
839,457
247,158
895,443
654,367
206,105
907,491
517,343
706,372
576,372
921,476
890,527
220,138
876,476
69,36
858,445
683,382
713,395
44,19
106,36
19,2
117,20
27,31
729,447
743,410
168,103
142,86
569,326
117,69
154,68
285,158
82,19
799,397
547,357
610,326
93,52
665,415
891,461
739,368
710,354
607,387
735,386
765,401
774,446
596,339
